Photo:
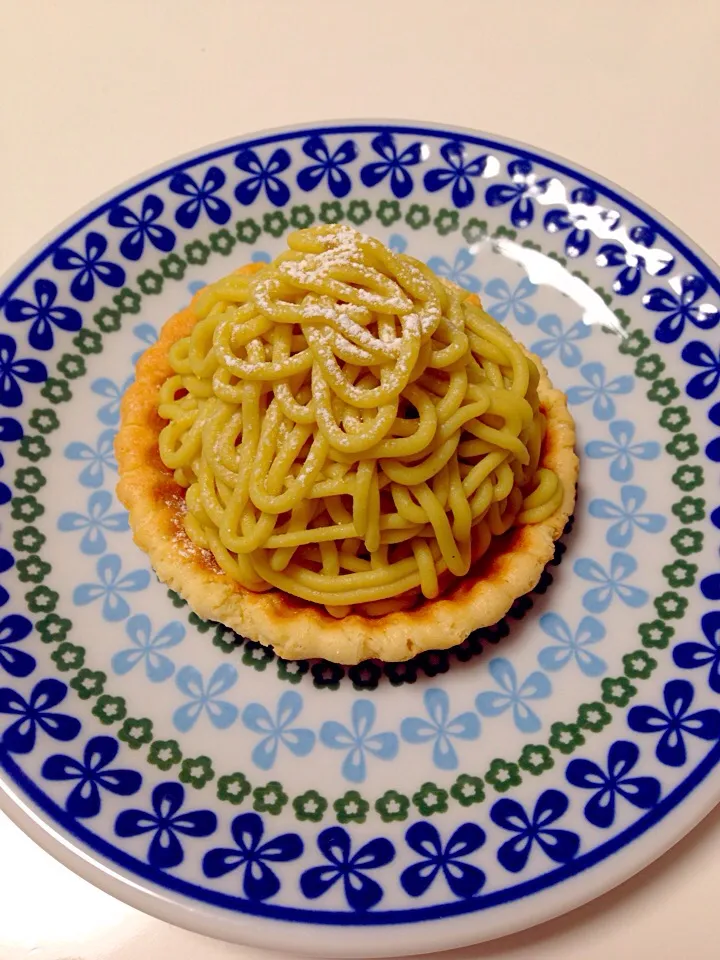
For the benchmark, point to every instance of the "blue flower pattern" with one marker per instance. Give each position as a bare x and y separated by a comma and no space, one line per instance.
110,586
511,302
142,226
147,335
10,432
523,187
675,722
622,451
36,714
14,628
7,561
692,655
147,648
514,694
361,892
600,390
641,792
99,458
95,523
458,271
201,197
165,821
12,371
358,740
88,267
328,165
577,240
205,697
572,645
712,450
279,730
633,265
611,582
43,313
393,164
558,844
559,340
109,413
458,173
681,304
626,516
263,176
439,729
251,855
463,879
92,774
703,384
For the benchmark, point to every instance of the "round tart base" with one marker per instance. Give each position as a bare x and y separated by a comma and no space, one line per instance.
294,628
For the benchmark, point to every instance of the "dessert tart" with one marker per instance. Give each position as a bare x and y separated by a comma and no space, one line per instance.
340,455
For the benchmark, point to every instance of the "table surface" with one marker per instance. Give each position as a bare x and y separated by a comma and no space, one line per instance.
94,91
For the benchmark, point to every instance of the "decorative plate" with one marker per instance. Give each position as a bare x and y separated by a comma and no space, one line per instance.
459,796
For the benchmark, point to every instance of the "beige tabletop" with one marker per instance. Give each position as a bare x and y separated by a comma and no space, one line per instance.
95,91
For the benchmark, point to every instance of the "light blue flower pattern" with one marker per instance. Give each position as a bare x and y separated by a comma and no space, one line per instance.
358,740
110,588
146,648
600,390
147,335
572,645
397,243
622,451
559,340
457,272
515,694
109,413
626,516
611,583
509,301
204,698
95,523
278,731
99,458
439,729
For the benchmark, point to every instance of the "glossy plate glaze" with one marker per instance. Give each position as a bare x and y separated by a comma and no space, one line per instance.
451,799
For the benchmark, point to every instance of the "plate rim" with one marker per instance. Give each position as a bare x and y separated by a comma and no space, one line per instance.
254,930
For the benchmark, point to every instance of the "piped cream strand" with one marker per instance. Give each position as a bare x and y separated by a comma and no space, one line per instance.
350,429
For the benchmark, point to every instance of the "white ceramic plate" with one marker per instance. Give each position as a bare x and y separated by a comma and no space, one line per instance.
458,797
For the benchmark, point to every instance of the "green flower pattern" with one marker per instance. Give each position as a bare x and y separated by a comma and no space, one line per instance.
136,733
269,799
72,366
164,754
431,799
351,808
536,759
502,775
392,806
310,806
88,683
233,788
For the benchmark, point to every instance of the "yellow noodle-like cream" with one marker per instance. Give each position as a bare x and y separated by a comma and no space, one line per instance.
350,429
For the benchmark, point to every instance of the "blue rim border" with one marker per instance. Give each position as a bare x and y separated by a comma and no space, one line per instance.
334,129
371,918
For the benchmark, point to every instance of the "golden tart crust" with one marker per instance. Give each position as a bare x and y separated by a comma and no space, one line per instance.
294,628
